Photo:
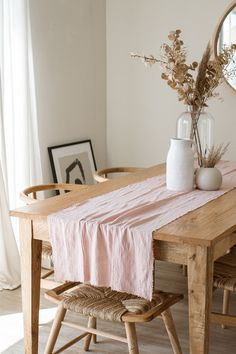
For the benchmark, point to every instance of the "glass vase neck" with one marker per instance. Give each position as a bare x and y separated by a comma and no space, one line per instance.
192,109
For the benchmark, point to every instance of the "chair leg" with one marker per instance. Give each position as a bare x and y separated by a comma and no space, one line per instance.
170,327
94,336
131,338
55,329
225,309
91,324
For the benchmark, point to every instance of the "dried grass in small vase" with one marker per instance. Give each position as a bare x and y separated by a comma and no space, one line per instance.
209,177
213,155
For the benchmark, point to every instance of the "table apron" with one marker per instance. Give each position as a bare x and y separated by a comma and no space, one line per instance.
174,252
223,245
170,252
178,252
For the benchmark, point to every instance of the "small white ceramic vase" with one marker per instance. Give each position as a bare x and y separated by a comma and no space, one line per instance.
208,178
180,165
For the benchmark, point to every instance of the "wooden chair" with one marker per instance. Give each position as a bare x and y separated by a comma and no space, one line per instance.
103,175
31,195
225,278
106,304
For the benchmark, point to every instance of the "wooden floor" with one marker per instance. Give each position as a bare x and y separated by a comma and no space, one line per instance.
151,336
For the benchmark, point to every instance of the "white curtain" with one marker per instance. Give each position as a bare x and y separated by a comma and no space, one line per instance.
9,257
19,148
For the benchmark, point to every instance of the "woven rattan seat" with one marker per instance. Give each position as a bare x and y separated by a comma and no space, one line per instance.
225,272
46,263
109,305
47,250
225,278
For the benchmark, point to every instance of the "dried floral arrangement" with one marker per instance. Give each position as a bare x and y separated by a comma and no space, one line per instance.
195,83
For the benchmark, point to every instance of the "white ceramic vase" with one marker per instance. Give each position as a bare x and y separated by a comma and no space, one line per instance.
180,165
208,178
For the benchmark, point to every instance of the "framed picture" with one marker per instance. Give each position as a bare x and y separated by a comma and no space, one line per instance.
73,163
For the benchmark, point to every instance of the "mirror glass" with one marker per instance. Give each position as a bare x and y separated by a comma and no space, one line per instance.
226,35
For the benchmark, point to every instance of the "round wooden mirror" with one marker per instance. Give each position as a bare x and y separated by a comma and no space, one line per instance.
225,34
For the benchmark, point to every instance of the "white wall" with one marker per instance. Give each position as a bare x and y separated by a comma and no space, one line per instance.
141,109
69,47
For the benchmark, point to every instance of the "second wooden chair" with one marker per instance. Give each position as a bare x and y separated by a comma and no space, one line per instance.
225,279
106,173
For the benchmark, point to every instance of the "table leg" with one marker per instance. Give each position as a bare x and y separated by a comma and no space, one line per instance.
30,283
200,273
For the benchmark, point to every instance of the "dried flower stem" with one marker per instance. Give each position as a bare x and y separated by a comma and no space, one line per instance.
150,60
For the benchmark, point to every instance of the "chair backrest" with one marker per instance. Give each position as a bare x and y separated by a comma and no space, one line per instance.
102,175
30,195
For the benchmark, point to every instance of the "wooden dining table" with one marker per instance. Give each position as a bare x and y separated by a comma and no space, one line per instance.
196,239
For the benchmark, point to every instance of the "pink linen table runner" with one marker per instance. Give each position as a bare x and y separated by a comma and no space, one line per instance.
107,240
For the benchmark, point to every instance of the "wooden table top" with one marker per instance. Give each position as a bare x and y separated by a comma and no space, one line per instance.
204,226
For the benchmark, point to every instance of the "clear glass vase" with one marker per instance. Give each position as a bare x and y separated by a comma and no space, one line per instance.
184,124
206,129
197,125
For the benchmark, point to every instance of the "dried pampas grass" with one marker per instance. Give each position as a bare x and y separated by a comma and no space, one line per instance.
214,154
201,79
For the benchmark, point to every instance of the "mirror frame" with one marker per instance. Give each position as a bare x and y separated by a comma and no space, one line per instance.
217,31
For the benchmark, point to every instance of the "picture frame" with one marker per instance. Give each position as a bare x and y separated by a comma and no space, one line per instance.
73,162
